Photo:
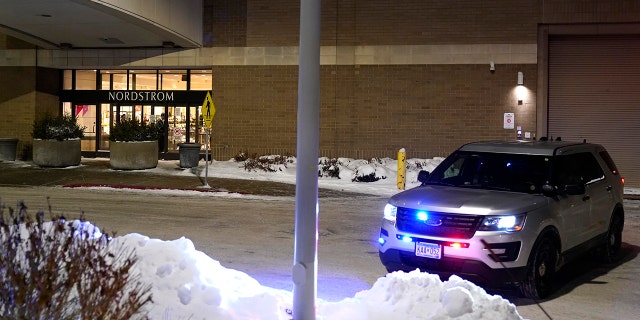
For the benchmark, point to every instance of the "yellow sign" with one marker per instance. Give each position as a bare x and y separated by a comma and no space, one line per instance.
208,110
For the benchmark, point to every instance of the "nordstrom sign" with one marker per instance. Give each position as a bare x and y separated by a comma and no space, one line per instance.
146,96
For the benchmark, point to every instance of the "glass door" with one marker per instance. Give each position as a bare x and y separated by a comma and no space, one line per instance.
105,125
196,125
86,117
177,127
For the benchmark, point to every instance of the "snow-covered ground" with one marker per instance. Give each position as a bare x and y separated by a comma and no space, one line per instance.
188,284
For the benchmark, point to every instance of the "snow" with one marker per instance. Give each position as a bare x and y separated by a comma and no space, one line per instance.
188,284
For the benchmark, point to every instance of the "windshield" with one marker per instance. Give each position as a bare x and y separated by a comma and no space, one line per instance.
497,171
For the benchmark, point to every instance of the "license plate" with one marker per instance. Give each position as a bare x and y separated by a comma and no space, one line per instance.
428,250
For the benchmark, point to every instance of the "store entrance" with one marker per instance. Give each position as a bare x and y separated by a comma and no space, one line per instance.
113,114
176,123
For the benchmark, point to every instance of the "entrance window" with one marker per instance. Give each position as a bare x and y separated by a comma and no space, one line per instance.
143,79
113,79
86,80
67,82
173,79
201,80
85,117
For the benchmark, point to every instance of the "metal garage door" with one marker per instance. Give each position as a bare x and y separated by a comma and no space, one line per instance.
594,94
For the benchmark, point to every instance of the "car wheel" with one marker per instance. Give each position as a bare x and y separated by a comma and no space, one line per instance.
541,269
613,240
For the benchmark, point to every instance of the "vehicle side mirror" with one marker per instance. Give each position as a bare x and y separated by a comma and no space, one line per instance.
548,189
423,175
574,189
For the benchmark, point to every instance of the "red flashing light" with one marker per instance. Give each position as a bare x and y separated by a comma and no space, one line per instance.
458,245
622,179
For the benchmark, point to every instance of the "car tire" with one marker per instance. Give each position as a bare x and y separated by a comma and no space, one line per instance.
541,269
611,252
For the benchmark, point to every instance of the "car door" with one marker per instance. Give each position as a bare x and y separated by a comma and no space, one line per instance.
573,207
598,194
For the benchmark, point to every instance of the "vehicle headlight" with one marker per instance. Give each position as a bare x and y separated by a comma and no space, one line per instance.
390,212
509,223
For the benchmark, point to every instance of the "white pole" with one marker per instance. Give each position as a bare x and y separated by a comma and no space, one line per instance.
206,159
308,132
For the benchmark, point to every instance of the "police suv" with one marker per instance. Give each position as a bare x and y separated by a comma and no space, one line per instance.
507,213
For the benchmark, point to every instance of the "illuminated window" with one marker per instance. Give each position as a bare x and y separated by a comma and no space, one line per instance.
201,80
85,79
173,79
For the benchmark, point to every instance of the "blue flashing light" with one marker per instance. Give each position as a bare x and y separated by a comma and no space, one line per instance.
422,216
381,241
407,239
508,164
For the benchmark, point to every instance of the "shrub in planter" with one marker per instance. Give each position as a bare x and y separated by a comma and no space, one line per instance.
56,141
133,145
132,130
62,127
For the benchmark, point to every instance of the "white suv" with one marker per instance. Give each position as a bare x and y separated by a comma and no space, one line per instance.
507,213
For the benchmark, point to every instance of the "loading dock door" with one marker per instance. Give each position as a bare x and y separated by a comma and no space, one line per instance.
594,94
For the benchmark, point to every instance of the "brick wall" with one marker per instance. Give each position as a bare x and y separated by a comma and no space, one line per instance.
369,111
383,22
21,103
224,23
17,105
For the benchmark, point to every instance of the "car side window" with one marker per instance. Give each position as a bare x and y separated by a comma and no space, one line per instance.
579,168
590,168
566,171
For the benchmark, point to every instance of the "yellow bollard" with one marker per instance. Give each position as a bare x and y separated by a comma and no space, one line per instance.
402,168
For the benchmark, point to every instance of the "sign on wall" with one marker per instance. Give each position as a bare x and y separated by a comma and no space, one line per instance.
509,119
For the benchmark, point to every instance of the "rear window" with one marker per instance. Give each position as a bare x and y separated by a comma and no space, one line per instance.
609,161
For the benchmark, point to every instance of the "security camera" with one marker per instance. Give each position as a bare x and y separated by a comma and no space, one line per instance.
492,67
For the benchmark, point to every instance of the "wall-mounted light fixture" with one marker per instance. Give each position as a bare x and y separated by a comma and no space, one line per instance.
520,89
520,78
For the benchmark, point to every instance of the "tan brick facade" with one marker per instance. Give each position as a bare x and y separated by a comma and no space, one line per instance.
407,74
369,111
383,22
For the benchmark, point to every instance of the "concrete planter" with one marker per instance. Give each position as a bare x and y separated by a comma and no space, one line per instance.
54,153
8,149
133,155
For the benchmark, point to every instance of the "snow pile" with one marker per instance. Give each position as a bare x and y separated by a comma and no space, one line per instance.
187,284
418,295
